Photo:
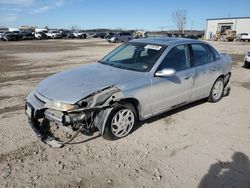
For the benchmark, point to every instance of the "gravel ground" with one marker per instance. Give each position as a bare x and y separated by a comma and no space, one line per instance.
199,145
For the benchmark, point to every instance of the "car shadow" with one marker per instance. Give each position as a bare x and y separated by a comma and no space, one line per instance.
246,67
228,174
169,113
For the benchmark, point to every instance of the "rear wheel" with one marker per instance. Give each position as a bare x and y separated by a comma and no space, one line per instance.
120,122
217,90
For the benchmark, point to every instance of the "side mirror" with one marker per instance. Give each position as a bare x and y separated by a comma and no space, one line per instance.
165,72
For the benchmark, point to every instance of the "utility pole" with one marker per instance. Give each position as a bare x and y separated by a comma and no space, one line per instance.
164,27
191,28
161,27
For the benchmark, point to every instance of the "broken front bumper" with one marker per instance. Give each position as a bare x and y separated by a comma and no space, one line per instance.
83,119
33,116
38,116
43,136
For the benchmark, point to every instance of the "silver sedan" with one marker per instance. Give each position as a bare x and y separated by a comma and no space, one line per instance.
137,80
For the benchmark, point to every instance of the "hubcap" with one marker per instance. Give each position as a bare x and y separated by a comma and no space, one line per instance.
122,122
217,89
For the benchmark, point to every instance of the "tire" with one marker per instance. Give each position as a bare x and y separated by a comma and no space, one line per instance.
246,64
121,113
217,91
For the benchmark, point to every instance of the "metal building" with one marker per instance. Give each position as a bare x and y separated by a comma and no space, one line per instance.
239,24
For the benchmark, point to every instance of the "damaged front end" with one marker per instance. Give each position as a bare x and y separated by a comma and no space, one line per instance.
84,116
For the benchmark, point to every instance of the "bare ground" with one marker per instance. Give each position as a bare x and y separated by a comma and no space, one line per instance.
200,144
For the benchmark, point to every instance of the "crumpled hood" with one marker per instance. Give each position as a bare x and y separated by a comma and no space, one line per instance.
75,84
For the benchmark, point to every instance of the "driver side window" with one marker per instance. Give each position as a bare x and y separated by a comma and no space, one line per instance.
177,58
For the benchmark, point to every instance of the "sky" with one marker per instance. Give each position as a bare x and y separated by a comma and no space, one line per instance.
148,15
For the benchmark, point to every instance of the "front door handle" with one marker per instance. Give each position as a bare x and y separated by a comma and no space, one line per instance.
186,77
213,69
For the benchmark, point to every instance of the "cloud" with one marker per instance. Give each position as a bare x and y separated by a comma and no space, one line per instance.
42,9
10,9
8,18
48,6
17,2
5,9
59,2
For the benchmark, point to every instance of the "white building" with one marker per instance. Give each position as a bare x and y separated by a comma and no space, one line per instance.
239,24
14,29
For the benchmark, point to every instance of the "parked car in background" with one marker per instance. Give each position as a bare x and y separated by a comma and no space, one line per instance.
54,34
18,34
1,34
71,35
140,34
40,35
243,37
27,35
191,36
121,37
99,35
11,36
68,34
80,34
247,60
109,35
64,33
91,35
138,80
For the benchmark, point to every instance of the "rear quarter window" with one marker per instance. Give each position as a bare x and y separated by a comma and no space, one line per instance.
201,54
216,55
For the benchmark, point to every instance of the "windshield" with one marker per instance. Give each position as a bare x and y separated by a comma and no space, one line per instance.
134,56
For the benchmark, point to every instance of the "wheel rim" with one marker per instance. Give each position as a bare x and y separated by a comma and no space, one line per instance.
218,89
122,122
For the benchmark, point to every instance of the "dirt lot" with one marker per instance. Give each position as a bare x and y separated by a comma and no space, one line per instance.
201,144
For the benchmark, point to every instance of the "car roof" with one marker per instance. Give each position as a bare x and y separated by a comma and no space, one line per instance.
167,41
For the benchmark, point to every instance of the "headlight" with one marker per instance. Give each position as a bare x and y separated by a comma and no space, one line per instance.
60,106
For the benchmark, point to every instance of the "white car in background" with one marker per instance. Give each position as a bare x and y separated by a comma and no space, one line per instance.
247,59
40,35
1,34
54,34
80,34
243,37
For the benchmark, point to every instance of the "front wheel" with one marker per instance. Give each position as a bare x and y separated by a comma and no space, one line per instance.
246,64
120,122
217,90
